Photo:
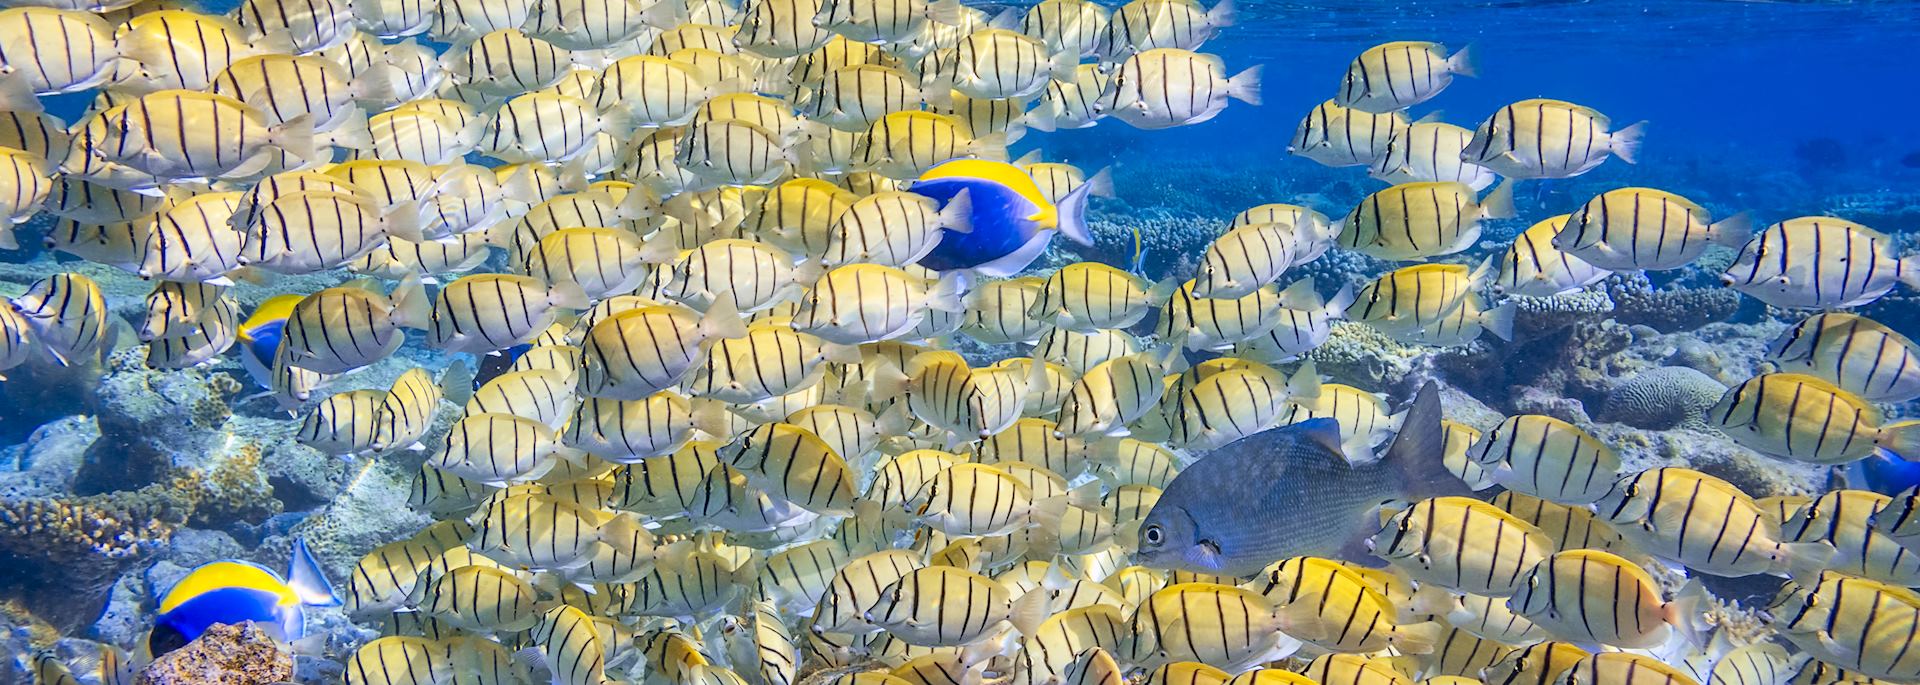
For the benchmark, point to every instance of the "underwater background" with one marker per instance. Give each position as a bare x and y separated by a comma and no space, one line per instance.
116,479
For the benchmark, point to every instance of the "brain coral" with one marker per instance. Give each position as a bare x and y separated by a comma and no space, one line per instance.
1662,398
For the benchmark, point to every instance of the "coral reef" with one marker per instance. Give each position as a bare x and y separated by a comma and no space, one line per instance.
143,436
1636,302
230,655
80,544
1536,317
1358,354
1663,398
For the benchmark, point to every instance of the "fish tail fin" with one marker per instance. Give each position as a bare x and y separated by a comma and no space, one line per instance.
1902,438
1044,118
1803,561
1030,611
1910,271
949,293
1466,62
957,216
295,137
991,147
1100,184
1625,143
1418,638
1245,86
307,580
16,95
711,418
1337,307
889,381
722,320
1222,15
411,306
1072,212
1499,203
1733,231
1499,320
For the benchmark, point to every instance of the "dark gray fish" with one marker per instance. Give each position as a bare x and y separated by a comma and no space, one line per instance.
1287,492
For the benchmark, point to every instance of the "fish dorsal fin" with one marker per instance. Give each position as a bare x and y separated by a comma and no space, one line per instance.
307,580
1324,431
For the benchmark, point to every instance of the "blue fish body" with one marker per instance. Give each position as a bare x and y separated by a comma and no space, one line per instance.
1888,474
1010,222
999,218
233,592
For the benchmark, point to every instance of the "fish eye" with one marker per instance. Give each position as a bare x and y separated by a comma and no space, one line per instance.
1813,600
1153,535
1633,490
1406,524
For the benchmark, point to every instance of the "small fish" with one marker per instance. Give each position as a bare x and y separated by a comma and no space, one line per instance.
234,592
1210,623
484,313
1143,25
858,585
1548,458
864,303
638,352
1422,219
1571,527
892,228
792,463
1707,524
342,425
876,21
337,330
852,98
1404,302
406,414
1535,664
1856,353
1398,75
1461,544
1626,669
164,57
945,606
1168,87
1842,520
1819,262
1643,228
1542,138
1211,518
1009,221
310,231
1326,605
904,145
1070,102
1339,136
1116,392
1429,151
67,314
778,29
995,63
1807,419
398,660
1588,595
1853,623
53,51
497,449
1533,266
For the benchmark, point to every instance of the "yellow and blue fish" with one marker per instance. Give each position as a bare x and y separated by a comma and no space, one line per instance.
261,333
234,592
1012,220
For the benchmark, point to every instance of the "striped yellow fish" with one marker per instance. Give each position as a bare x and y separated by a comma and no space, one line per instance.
856,586
56,50
1354,669
1643,228
1588,595
1422,219
1326,605
1067,26
1537,664
946,606
1843,519
792,463
1232,627
973,499
863,303
1570,527
1398,75
487,312
342,425
873,21
1548,458
497,449
1535,267
1071,102
67,314
1856,353
778,29
1462,544
1625,668
337,330
1142,25
904,145
1705,523
853,97
1820,262
635,353
481,599
1339,136
1116,392
1804,418
1405,301
1853,623
1169,86
1541,138
1429,151
1085,296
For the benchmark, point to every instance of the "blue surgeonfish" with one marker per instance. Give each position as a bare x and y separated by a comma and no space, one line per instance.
1012,220
234,592
261,333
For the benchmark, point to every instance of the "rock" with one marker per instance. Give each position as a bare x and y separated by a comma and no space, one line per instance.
46,464
228,655
128,614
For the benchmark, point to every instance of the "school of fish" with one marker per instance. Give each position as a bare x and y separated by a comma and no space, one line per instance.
710,262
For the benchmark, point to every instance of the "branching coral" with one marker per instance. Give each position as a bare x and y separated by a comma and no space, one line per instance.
1636,302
